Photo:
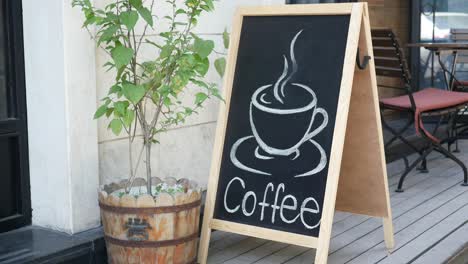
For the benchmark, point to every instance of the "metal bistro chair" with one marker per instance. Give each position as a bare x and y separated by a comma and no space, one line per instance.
390,62
460,59
459,35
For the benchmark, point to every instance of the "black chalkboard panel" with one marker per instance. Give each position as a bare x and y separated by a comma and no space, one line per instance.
281,119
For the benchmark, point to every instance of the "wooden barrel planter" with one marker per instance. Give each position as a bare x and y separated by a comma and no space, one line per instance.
145,229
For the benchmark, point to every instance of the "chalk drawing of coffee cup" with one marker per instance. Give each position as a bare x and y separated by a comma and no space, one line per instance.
300,120
283,119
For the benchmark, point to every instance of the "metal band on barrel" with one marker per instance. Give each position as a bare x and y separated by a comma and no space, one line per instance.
146,244
150,210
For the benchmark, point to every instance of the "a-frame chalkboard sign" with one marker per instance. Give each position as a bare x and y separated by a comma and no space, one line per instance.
299,135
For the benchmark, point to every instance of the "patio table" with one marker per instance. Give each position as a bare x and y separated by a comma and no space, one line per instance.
439,47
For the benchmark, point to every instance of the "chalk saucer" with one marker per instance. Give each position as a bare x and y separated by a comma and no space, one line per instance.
246,155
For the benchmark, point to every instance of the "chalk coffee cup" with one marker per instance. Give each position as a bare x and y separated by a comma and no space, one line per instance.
282,130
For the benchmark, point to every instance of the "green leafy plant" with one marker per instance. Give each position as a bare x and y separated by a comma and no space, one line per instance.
146,94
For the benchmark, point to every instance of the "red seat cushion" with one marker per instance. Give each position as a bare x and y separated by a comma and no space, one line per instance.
428,99
462,83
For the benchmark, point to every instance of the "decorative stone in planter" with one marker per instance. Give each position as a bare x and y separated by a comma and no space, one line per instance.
142,229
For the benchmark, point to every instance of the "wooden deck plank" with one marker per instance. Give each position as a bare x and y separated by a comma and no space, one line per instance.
283,255
352,243
346,254
397,167
305,258
340,216
425,240
370,248
414,197
407,200
218,235
413,179
236,250
442,251
227,242
420,181
257,253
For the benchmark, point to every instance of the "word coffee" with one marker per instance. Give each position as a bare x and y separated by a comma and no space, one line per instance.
273,201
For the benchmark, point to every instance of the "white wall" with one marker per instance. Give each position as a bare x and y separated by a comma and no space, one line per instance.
63,86
185,151
61,98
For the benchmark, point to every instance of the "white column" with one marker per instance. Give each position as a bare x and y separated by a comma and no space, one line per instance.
61,99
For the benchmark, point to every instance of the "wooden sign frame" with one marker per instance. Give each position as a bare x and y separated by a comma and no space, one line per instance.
357,130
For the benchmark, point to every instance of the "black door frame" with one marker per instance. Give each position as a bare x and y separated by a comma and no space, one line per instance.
16,125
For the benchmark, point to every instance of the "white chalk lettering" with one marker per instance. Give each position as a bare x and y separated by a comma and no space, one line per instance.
226,194
310,210
286,204
292,207
244,201
275,206
264,203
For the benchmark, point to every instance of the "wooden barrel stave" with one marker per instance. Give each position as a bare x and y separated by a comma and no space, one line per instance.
164,226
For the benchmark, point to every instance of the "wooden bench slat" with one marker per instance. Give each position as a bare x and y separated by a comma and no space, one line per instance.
390,72
387,62
382,42
385,52
385,33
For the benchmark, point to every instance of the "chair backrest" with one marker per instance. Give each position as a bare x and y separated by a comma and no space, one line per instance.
390,60
460,35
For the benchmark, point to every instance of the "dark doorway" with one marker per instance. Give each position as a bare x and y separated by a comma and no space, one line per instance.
15,204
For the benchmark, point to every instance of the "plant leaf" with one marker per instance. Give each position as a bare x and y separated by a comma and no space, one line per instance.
100,111
220,66
109,111
121,56
203,47
129,19
166,51
200,98
132,92
107,34
209,3
129,117
180,11
116,126
115,89
167,101
145,13
226,39
120,108
136,3
202,66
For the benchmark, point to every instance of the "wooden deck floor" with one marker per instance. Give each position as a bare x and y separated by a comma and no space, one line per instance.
430,223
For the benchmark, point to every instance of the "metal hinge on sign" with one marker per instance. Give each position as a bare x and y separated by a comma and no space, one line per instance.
137,229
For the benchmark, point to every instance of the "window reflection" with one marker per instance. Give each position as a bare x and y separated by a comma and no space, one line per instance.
438,19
